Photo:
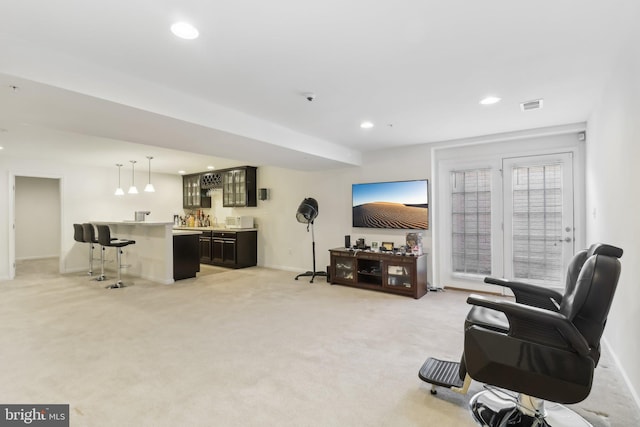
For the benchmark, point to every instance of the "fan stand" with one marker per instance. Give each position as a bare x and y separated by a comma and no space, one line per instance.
313,273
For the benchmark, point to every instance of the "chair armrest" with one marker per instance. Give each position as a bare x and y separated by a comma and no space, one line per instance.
536,324
525,293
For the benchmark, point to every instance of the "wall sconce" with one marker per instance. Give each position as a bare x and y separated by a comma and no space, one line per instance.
263,194
133,189
119,190
149,187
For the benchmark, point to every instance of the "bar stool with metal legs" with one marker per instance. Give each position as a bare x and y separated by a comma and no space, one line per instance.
78,236
104,238
90,237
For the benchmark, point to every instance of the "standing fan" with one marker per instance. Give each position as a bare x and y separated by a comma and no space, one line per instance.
307,213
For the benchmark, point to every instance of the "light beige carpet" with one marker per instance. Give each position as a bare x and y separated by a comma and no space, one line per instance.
249,347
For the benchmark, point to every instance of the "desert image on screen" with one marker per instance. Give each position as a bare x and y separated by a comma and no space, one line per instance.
395,205
390,215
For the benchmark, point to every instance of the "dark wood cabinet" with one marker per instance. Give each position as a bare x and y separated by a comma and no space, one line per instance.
239,187
185,256
205,247
387,272
234,249
193,196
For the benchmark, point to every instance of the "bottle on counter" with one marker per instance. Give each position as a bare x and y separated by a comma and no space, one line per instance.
207,221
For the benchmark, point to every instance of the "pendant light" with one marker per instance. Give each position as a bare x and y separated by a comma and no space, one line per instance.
119,190
133,189
149,187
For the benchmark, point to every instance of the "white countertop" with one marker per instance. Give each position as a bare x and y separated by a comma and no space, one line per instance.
131,222
185,232
215,228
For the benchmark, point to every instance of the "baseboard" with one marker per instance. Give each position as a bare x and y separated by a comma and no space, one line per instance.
473,291
627,381
31,258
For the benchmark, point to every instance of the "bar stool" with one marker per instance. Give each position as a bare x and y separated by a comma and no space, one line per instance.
78,236
90,237
104,239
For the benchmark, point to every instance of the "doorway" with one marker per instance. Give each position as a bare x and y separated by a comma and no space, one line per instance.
35,222
538,218
508,209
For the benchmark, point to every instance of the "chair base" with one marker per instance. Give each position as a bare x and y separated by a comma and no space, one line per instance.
491,410
116,285
313,275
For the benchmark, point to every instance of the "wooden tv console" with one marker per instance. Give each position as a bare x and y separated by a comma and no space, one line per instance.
380,271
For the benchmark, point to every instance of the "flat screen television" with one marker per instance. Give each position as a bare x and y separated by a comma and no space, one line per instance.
394,205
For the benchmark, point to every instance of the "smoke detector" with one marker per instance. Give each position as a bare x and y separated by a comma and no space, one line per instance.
535,104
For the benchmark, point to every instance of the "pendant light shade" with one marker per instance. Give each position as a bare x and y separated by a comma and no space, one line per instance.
149,187
119,190
133,189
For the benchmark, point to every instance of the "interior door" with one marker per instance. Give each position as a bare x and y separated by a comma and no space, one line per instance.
539,231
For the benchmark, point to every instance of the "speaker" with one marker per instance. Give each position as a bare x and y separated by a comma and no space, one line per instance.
347,242
263,194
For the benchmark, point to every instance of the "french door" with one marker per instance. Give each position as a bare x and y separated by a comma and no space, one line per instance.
538,214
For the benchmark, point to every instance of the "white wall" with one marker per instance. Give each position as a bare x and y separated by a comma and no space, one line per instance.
37,208
613,203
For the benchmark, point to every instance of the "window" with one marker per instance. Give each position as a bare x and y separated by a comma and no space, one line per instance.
538,222
471,221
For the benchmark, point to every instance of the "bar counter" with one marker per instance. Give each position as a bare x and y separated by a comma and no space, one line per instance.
151,257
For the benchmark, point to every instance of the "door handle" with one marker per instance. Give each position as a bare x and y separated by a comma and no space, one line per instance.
566,239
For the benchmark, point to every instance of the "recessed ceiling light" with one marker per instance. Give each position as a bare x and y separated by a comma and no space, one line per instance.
185,30
366,125
1,148
489,100
211,167
182,172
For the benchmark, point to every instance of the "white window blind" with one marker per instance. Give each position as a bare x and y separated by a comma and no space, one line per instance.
537,222
471,221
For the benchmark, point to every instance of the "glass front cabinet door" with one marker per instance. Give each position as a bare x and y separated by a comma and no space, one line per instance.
239,187
400,275
344,269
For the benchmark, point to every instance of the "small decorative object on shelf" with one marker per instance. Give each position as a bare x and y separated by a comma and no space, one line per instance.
414,243
388,246
374,246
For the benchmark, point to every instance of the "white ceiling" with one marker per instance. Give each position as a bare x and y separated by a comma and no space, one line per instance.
98,79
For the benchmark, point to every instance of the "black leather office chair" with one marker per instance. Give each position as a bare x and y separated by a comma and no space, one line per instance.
534,295
105,239
544,354
452,374
78,236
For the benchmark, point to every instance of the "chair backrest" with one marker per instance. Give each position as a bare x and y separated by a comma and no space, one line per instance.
89,233
104,235
78,233
578,260
587,304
